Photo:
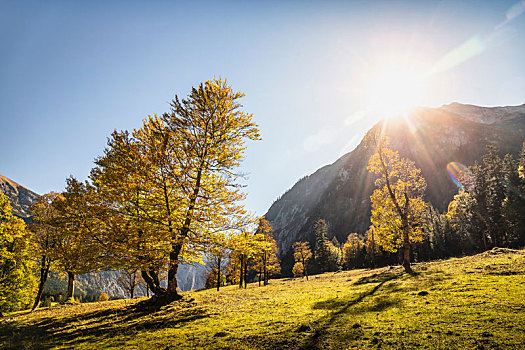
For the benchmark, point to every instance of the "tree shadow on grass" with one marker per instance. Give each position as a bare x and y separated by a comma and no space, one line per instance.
341,306
96,325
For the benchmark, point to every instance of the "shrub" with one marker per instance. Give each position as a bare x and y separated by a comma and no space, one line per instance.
298,269
103,297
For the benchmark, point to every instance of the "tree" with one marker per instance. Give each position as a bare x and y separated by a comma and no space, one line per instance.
245,248
46,237
80,242
217,258
352,252
494,178
215,278
129,280
16,261
135,180
298,269
373,249
397,202
267,263
322,250
182,184
302,254
468,230
514,202
335,257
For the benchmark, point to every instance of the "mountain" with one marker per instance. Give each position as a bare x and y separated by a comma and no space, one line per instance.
432,137
20,197
189,276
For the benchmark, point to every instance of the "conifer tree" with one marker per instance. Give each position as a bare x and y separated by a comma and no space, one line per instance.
322,250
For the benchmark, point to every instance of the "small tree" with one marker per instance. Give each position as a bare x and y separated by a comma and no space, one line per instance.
322,250
302,254
215,278
352,251
298,269
217,258
103,297
129,280
267,263
335,257
372,248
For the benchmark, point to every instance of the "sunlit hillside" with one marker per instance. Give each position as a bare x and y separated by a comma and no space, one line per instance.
461,303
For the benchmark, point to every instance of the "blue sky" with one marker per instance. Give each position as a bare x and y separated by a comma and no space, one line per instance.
72,72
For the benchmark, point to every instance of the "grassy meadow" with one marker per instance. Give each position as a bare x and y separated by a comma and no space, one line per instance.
475,302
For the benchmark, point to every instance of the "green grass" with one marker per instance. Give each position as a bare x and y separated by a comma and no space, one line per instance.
474,302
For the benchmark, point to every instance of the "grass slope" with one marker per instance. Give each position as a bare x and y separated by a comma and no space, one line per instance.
474,302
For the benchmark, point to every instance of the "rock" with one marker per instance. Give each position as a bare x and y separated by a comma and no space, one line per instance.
422,293
220,334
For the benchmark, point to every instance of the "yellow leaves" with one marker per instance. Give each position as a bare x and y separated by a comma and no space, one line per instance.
397,203
302,251
16,260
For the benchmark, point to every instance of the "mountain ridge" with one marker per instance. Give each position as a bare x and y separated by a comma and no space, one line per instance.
432,137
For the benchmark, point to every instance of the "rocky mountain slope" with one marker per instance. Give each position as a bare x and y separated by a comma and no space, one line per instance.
189,276
20,197
432,137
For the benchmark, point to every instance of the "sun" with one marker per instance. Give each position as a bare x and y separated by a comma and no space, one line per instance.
394,89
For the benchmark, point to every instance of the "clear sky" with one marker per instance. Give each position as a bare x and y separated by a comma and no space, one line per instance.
71,72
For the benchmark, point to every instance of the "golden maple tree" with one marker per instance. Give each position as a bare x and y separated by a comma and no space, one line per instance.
397,202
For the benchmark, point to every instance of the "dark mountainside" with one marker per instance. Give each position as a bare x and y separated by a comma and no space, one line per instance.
189,277
432,137
20,197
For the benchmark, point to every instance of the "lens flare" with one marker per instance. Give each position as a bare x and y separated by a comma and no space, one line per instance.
460,175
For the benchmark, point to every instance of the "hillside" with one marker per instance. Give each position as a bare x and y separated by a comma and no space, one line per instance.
20,197
432,137
473,302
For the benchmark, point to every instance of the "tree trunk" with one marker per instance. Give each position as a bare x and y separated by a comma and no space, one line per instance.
70,285
305,270
171,291
218,273
245,271
265,270
152,282
241,272
406,249
44,271
132,279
